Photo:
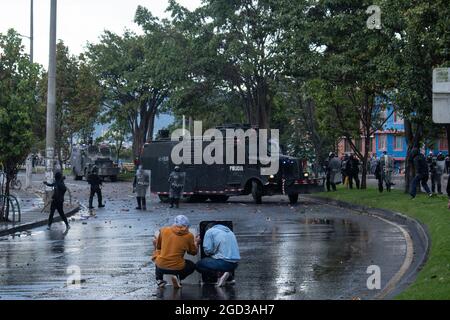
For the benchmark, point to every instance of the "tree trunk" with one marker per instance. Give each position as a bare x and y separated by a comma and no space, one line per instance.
138,142
413,139
119,148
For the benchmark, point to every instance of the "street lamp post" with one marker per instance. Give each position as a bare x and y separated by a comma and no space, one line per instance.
31,31
51,97
29,167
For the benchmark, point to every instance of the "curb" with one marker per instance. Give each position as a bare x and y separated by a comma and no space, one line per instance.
37,224
417,232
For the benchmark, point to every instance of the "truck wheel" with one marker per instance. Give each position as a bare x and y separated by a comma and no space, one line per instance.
257,192
163,198
196,198
219,199
293,198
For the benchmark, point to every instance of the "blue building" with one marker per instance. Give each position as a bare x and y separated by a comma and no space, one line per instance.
391,138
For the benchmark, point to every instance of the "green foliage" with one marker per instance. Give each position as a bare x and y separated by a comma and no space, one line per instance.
78,99
18,84
233,45
137,73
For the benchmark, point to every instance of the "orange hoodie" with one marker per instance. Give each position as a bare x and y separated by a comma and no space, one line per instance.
172,244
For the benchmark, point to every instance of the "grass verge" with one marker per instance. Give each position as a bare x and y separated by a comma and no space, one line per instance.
126,176
433,281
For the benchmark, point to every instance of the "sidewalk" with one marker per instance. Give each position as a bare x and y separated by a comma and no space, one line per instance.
31,205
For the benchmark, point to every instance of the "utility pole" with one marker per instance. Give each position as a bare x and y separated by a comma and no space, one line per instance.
29,166
31,31
51,97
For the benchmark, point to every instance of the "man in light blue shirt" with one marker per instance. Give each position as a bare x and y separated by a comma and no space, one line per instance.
220,246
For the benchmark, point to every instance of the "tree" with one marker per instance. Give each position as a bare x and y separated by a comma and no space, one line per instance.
234,48
419,32
136,72
78,99
118,133
351,64
305,132
18,92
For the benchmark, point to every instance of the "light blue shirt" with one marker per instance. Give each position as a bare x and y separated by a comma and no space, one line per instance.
220,243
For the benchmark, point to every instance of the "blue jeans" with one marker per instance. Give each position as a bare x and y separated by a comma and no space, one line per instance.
423,181
209,268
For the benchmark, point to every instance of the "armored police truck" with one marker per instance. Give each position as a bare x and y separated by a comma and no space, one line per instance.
85,157
217,182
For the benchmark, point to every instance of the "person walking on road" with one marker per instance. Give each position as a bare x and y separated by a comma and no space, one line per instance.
176,184
333,166
422,173
96,189
57,204
222,250
171,245
140,185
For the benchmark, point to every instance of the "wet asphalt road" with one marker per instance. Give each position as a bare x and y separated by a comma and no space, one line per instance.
309,251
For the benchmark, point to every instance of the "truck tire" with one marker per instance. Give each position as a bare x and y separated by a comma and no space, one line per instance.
293,198
257,192
163,198
197,198
219,199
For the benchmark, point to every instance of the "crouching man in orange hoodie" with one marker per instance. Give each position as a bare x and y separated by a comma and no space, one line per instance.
170,247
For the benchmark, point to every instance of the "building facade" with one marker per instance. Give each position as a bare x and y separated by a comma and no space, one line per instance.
391,138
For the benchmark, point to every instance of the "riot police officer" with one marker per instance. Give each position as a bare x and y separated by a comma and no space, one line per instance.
140,185
95,182
176,183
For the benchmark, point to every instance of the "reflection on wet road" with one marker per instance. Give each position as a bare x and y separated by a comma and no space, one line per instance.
305,252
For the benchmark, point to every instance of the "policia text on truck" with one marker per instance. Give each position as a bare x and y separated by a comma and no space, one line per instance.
217,182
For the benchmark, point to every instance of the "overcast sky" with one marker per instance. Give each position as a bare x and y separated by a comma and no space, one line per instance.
79,21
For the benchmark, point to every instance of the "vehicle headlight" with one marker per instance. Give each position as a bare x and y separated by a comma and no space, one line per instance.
306,174
272,176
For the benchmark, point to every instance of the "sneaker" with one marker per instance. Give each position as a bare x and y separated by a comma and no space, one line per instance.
101,206
430,195
161,283
49,228
67,227
176,282
138,208
223,279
